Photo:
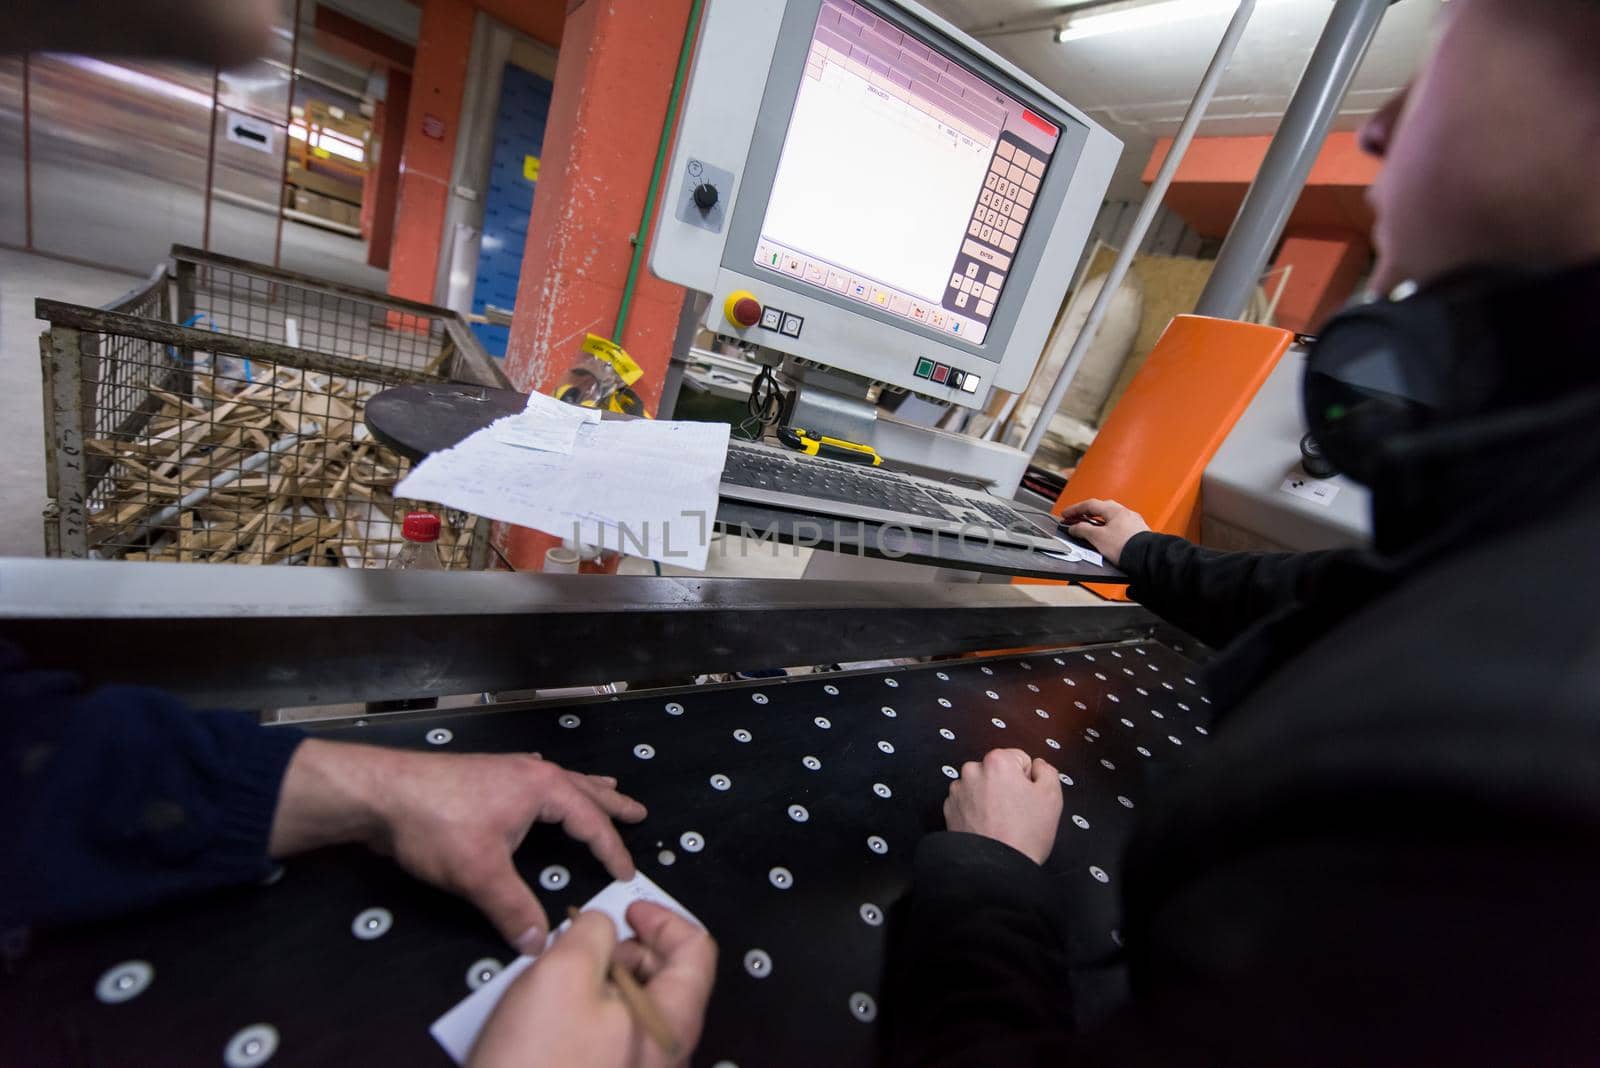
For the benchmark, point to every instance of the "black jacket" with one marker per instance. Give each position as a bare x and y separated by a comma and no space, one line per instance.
1391,851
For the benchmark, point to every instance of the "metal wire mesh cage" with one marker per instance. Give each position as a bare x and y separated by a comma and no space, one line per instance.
210,439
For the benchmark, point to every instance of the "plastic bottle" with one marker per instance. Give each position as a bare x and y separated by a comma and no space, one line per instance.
421,550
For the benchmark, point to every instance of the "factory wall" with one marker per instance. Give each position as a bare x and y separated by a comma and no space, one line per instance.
433,123
110,160
144,131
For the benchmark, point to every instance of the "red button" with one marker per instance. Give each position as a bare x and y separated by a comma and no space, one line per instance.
940,373
747,312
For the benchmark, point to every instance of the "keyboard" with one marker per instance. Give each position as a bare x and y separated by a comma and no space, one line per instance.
762,474
830,481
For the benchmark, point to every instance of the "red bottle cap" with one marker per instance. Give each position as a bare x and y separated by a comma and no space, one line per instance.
421,526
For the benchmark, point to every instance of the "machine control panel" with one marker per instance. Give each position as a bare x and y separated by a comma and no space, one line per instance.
704,202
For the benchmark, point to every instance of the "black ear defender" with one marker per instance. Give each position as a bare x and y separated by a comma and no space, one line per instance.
1469,343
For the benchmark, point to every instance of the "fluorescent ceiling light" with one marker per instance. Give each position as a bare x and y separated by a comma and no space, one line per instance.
1134,18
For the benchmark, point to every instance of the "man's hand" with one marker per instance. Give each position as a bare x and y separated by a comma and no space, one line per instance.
451,820
1119,524
1009,798
563,1011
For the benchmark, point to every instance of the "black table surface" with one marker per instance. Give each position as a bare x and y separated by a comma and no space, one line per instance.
416,420
783,812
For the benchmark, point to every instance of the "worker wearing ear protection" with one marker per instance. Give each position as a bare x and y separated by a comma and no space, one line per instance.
1386,854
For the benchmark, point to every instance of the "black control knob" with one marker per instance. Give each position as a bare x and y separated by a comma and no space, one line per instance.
1311,458
705,196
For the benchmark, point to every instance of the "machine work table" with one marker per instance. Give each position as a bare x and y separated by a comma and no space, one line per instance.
784,813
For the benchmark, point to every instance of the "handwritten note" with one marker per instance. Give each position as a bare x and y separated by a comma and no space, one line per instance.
545,424
640,487
458,1029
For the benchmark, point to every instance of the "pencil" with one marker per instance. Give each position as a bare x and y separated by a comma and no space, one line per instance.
638,1002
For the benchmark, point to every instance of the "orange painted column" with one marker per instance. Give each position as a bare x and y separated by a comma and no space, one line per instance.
1325,265
613,78
438,81
390,121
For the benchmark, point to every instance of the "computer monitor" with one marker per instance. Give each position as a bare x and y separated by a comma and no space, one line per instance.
859,184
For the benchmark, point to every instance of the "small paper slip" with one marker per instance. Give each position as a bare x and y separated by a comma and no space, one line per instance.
458,1029
545,424
1076,554
639,486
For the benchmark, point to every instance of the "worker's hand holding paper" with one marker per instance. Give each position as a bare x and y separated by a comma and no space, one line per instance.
458,1029
638,486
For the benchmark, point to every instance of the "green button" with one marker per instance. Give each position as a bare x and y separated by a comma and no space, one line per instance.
924,368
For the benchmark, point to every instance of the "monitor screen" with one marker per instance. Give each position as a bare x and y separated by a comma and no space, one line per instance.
906,181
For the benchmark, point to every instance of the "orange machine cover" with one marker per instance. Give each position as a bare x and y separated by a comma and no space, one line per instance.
1153,450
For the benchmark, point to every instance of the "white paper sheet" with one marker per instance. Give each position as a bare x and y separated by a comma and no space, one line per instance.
458,1029
545,424
640,487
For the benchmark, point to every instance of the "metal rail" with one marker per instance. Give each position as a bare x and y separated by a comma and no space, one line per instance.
101,321
1294,150
1141,226
256,638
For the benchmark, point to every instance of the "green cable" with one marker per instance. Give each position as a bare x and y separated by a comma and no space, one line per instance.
655,174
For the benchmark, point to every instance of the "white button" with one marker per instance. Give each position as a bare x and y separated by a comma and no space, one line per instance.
758,964
124,981
555,877
371,923
479,972
691,841
251,1047
437,736
781,878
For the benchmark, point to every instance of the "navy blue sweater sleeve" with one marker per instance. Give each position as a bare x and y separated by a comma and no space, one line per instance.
1217,595
124,797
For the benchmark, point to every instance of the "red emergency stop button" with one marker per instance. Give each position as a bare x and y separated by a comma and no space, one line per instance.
742,308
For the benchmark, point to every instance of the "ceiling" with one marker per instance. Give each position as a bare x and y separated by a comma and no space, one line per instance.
1138,82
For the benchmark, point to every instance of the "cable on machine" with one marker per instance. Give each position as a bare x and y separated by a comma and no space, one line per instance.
765,405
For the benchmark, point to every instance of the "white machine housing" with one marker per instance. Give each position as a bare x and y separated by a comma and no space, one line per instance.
749,60
1257,495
